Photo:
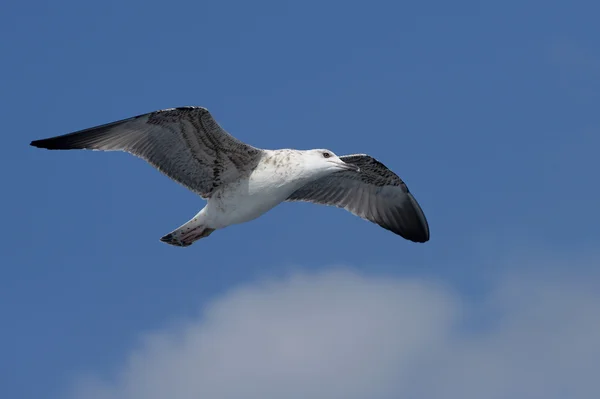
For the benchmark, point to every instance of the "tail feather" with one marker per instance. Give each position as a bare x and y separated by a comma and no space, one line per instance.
187,234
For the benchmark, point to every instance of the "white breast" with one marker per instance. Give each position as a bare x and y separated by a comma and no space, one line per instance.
270,184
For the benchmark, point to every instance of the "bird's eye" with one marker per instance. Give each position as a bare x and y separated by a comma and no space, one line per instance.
326,155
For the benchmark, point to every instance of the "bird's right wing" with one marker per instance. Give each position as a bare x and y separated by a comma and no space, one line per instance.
375,193
184,143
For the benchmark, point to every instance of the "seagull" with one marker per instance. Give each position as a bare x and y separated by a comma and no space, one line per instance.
241,182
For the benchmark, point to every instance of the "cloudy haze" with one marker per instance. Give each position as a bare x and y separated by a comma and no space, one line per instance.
343,334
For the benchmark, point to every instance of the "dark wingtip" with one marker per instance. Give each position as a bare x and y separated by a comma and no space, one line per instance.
421,238
419,234
49,144
36,143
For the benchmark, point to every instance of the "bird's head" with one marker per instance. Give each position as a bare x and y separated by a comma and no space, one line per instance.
327,162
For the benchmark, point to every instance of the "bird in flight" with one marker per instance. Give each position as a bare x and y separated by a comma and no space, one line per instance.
241,182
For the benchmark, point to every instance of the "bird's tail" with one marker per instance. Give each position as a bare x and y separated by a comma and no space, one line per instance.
189,232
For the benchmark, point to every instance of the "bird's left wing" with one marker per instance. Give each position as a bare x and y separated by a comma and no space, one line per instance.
375,193
185,143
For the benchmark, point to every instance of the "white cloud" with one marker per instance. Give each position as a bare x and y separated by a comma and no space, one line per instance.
340,334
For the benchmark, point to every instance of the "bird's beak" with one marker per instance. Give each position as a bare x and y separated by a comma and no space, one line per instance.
347,166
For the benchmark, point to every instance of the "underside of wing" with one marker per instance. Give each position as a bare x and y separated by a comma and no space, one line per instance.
184,143
375,193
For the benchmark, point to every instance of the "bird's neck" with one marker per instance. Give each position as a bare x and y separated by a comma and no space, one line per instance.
289,168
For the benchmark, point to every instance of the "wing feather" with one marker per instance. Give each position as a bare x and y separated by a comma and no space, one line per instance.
184,143
375,193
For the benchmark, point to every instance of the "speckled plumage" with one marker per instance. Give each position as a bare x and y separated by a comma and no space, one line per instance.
242,182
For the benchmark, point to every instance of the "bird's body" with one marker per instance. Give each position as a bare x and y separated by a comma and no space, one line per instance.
241,182
278,174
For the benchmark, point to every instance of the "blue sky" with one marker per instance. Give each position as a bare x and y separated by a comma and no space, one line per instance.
489,112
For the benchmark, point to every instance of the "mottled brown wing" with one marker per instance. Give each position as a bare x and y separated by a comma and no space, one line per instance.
184,143
375,193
